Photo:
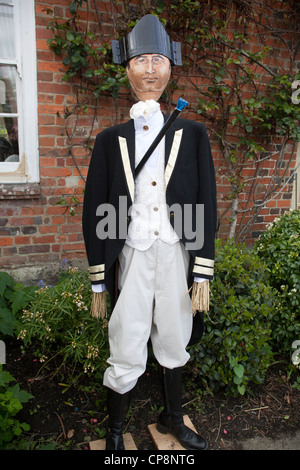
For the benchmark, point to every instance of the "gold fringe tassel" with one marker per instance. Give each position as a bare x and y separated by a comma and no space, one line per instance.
98,306
200,297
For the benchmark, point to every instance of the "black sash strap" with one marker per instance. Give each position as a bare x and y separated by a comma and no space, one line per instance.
180,106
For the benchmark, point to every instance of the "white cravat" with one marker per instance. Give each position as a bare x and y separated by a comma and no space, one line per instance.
144,108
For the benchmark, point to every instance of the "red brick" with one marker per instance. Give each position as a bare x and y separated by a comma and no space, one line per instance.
72,246
55,172
41,44
47,161
5,241
5,262
48,229
44,258
22,221
58,220
50,109
44,239
22,240
56,248
284,203
55,210
32,210
34,249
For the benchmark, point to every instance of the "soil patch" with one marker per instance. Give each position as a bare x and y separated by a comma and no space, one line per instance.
68,417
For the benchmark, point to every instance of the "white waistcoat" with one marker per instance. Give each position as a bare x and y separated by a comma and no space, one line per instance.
149,214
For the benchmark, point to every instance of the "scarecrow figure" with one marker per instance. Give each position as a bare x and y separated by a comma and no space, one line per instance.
164,245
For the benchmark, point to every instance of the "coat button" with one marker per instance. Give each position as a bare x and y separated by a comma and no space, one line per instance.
153,183
156,233
146,128
155,209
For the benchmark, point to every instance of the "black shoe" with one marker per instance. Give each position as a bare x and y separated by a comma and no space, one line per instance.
171,419
118,406
186,436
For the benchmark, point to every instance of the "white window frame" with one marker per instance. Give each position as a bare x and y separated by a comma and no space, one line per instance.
27,169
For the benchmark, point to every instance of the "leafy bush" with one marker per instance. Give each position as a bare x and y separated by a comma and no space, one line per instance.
14,297
279,247
11,400
235,349
58,323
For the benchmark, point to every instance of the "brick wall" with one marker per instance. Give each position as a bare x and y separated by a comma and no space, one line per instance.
36,232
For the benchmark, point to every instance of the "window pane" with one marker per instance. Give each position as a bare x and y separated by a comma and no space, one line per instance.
7,39
8,89
9,142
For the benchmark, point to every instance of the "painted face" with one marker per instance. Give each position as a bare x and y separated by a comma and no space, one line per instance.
148,75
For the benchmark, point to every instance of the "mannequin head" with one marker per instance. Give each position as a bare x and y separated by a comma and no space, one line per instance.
148,75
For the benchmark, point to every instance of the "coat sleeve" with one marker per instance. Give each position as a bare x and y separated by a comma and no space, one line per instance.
204,257
95,195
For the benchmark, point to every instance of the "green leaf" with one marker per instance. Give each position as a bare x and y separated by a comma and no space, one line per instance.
239,370
6,321
19,300
237,380
89,73
70,36
21,395
5,378
73,8
5,281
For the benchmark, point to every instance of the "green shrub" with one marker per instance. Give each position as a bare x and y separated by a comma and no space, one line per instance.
58,323
279,247
11,400
14,297
235,349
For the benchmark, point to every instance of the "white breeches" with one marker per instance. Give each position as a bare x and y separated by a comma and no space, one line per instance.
153,303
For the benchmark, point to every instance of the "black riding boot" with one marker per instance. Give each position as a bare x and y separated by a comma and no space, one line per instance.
171,418
117,406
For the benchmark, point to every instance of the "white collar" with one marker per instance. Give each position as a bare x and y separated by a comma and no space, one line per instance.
144,108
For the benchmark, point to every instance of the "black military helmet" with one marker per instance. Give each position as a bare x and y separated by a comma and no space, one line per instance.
147,37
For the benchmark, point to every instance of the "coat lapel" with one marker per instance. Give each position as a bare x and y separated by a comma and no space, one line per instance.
129,135
172,144
168,141
127,149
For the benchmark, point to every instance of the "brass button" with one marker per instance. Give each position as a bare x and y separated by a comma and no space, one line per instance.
153,183
146,128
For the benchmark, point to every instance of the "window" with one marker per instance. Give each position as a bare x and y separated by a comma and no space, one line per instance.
18,93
